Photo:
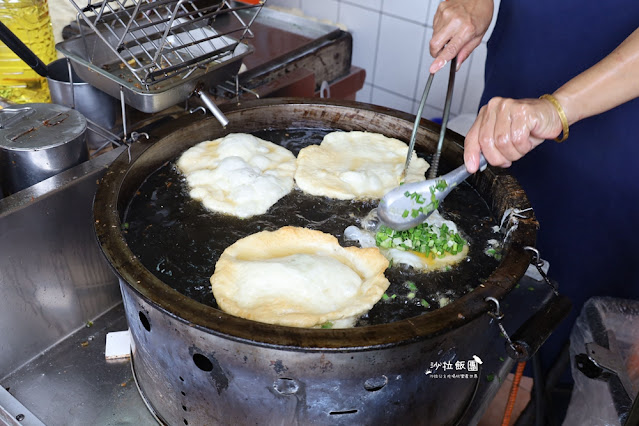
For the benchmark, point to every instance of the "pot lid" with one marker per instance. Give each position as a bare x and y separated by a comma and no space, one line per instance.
37,126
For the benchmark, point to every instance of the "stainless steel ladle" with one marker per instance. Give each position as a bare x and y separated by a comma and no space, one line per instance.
410,204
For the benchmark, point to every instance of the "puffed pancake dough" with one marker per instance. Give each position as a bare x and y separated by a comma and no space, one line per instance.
238,174
298,277
355,165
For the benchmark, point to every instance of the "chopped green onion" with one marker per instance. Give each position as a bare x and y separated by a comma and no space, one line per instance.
327,324
385,296
424,238
411,295
441,185
490,377
424,303
386,244
411,286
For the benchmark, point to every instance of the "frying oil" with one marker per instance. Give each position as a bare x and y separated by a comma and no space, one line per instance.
179,241
29,20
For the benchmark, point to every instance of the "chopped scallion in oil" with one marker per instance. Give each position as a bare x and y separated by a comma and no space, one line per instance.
423,238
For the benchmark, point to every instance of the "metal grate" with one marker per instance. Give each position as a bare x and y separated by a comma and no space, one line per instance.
159,40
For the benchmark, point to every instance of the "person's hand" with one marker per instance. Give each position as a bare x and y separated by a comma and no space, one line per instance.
458,28
507,129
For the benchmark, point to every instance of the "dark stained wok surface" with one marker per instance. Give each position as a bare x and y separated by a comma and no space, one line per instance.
179,241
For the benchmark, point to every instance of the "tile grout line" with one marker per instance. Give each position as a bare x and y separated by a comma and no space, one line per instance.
370,9
416,90
417,94
463,97
404,97
399,95
379,28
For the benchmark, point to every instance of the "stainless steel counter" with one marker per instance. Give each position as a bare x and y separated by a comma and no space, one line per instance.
54,282
53,276
73,384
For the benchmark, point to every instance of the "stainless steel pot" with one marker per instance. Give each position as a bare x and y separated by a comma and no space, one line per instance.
93,103
38,141
198,365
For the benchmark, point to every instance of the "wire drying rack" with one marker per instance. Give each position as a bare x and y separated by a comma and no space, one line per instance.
155,54
157,40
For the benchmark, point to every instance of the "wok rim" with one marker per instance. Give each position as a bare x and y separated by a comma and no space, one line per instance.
107,225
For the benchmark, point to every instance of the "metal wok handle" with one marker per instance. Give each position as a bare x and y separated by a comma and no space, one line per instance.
20,49
534,332
212,107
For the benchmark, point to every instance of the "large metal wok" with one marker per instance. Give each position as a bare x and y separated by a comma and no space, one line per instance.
195,364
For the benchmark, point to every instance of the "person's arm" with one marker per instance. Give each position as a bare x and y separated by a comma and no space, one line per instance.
507,129
458,28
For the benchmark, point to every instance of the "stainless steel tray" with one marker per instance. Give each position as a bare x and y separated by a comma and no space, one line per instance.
153,54
99,66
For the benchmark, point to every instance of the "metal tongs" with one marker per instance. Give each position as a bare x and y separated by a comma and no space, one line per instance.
409,205
432,171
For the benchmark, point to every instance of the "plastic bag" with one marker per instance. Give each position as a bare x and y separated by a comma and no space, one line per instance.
601,399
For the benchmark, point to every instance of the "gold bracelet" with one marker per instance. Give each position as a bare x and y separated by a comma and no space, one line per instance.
562,116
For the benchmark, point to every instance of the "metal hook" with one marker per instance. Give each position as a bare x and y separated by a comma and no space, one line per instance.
252,92
536,257
200,108
538,263
497,314
135,136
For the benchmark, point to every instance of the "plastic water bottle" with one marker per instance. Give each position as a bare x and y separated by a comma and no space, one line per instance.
29,20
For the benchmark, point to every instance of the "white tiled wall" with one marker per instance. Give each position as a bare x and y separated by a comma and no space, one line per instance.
390,41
